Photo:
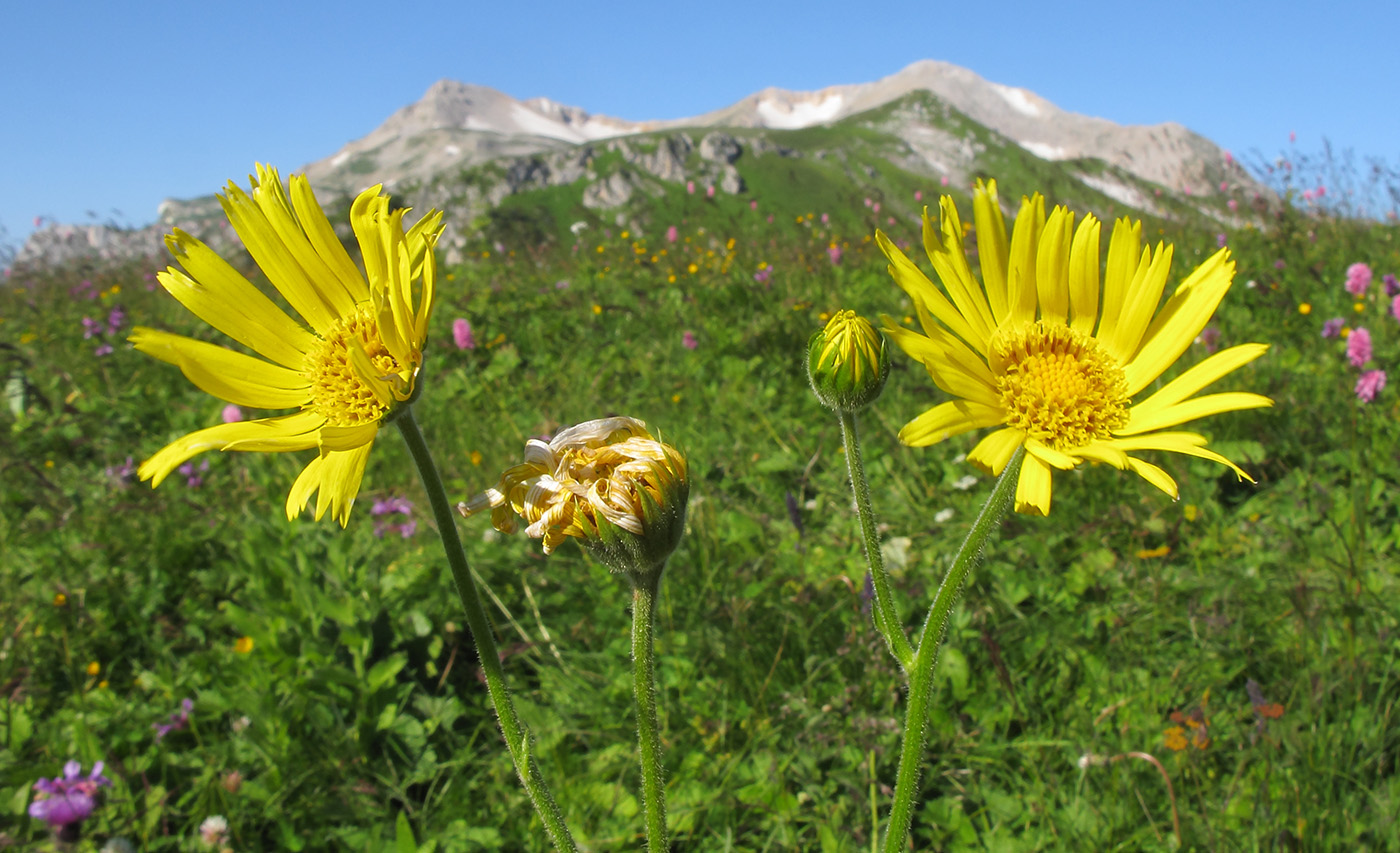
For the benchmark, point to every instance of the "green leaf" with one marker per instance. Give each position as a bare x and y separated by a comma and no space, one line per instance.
403,831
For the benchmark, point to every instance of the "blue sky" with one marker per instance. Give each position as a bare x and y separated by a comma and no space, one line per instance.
109,108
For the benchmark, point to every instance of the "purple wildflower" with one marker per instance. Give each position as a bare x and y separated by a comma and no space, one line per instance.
1220,240
386,507
763,275
103,349
1333,327
178,720
1392,285
1359,347
833,253
116,318
122,473
1369,384
1358,279
91,327
68,799
194,477
462,334
1209,338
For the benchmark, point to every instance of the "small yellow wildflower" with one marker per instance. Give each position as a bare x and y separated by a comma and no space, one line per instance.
1191,512
475,457
59,599
597,309
48,463
1151,553
692,268
94,668
1305,309
243,645
102,685
1358,307
1175,738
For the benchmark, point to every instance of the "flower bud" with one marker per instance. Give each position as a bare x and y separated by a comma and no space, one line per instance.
847,363
607,482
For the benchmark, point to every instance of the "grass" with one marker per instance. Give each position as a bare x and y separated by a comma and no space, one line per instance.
358,716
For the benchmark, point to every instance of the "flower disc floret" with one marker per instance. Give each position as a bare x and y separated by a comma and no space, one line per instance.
1057,385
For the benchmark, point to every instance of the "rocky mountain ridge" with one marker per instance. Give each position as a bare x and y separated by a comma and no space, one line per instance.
461,132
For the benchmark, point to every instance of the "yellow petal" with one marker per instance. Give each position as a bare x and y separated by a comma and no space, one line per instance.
297,431
326,242
341,474
1179,322
1021,266
1140,304
1154,475
992,248
945,250
1052,266
949,419
272,200
215,293
1103,451
228,375
1198,407
1084,276
276,262
1123,249
1033,487
995,449
952,366
307,482
1188,443
1049,455
1197,378
923,292
365,212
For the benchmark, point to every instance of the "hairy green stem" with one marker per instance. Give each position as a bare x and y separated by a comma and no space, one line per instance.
517,737
935,629
885,614
644,588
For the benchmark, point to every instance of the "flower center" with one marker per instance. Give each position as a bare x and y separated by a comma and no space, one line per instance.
337,392
1058,385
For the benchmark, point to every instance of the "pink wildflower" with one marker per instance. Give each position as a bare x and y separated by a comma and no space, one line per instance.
672,235
1369,384
1220,240
231,414
710,191
1233,205
833,252
944,180
1358,278
826,218
462,334
1333,327
688,340
1359,347
918,195
690,187
1395,307
753,205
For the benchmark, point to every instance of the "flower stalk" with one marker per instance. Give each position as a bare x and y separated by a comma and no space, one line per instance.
886,615
931,638
644,589
516,735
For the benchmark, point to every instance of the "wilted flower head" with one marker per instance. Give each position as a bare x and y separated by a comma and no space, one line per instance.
1369,385
1359,347
607,482
847,362
178,720
1358,278
1332,327
67,799
1392,285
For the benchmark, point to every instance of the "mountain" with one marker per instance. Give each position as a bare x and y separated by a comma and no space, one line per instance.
469,148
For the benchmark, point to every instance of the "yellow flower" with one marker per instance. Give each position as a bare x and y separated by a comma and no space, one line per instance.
607,482
1040,350
1151,553
94,668
1304,308
59,599
243,645
1359,307
357,361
